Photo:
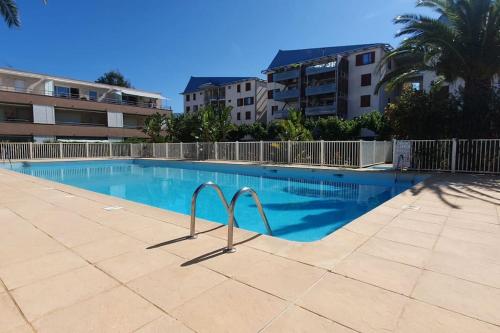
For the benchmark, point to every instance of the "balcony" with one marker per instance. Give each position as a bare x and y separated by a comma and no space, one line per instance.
320,70
288,75
283,95
74,95
282,114
321,89
324,110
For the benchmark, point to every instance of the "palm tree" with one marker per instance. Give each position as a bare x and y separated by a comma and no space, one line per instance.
8,9
463,43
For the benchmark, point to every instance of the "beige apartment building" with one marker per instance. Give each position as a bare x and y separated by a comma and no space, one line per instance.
247,96
38,107
327,81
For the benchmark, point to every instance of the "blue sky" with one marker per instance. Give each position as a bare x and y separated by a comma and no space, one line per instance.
159,44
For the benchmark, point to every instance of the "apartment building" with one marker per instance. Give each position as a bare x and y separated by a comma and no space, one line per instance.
246,95
38,107
327,81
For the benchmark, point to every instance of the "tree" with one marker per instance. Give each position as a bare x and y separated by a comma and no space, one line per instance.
114,78
215,123
334,128
293,128
154,125
464,43
8,10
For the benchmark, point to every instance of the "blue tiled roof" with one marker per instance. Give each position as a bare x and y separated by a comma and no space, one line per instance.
195,82
288,57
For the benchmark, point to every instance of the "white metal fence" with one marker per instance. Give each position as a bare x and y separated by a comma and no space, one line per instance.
455,155
329,153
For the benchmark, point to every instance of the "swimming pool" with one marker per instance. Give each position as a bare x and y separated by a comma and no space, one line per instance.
301,204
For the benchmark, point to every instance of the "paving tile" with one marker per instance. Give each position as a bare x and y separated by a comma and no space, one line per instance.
383,273
420,317
26,272
230,307
473,225
486,238
406,236
194,248
25,328
421,226
10,317
468,250
475,217
364,227
474,270
355,304
298,320
132,265
468,298
265,271
173,285
164,324
61,290
398,252
160,233
116,310
125,221
424,217
328,252
108,247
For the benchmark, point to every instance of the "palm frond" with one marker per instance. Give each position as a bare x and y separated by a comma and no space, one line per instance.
8,9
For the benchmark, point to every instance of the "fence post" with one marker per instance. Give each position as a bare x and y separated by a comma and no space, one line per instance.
31,150
61,150
182,152
322,152
110,150
394,158
130,149
237,151
289,152
154,150
374,152
453,155
87,149
261,151
197,151
166,150
216,148
360,143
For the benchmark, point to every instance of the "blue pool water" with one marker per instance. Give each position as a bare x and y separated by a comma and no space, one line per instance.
301,205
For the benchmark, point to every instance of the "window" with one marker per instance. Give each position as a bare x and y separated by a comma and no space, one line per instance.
270,94
188,109
248,101
238,116
270,77
389,65
195,108
365,58
365,101
229,102
228,87
188,98
240,102
238,88
93,95
366,80
194,97
274,109
248,86
20,85
248,115
61,91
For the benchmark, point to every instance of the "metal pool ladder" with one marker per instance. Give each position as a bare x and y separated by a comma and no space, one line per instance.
192,231
230,210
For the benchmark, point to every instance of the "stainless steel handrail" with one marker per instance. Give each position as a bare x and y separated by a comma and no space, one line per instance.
192,231
231,222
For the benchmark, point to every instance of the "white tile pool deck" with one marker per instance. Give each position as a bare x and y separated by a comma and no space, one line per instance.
426,261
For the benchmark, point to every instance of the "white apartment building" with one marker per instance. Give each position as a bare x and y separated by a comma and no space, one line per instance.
327,81
39,107
246,95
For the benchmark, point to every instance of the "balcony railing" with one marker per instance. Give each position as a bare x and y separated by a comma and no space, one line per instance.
288,75
322,110
107,100
281,114
321,89
282,95
319,70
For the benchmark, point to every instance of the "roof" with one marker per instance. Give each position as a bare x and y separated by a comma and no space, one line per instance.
131,91
195,82
289,57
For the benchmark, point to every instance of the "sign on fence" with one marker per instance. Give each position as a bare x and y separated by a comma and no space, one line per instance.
402,154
